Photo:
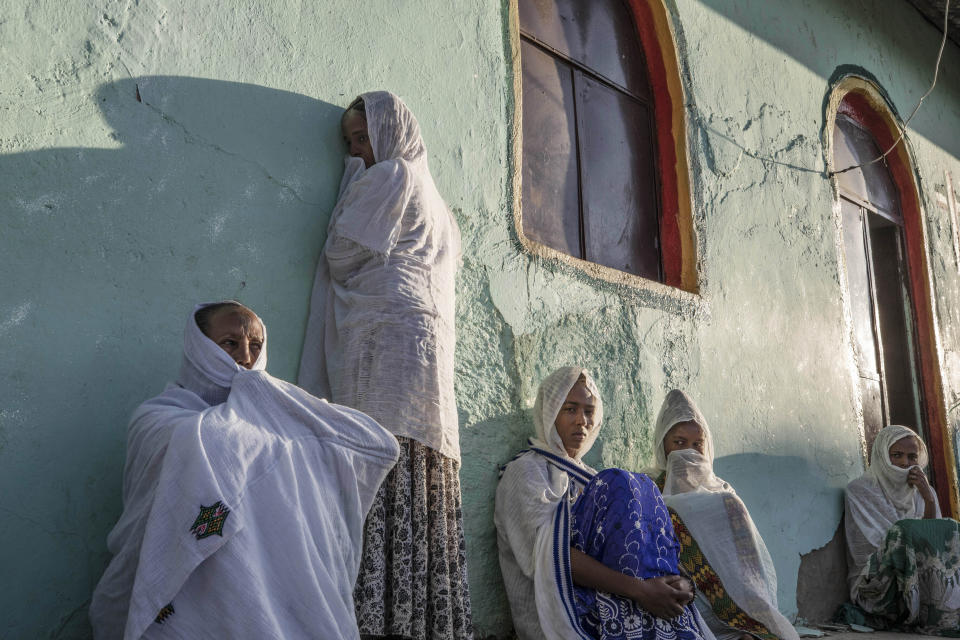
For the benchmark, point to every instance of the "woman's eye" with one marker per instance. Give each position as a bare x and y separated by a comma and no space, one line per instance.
363,138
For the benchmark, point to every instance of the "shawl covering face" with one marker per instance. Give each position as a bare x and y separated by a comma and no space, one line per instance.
891,478
208,370
248,513
380,335
718,520
878,499
532,517
677,407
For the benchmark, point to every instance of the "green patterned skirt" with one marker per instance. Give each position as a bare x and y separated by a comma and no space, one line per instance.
913,579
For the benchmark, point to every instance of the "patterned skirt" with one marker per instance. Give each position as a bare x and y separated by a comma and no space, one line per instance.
913,580
622,522
413,576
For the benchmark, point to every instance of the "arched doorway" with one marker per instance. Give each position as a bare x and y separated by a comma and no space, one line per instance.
888,293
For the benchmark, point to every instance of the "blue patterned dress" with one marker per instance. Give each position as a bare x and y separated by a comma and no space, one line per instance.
621,521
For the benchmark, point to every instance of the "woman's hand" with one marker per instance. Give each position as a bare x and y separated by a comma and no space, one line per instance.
664,597
916,478
683,584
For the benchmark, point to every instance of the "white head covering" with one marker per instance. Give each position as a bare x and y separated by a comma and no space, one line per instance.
206,369
393,130
891,478
375,215
677,407
550,398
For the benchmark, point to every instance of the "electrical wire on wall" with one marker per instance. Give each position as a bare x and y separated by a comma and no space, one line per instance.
903,129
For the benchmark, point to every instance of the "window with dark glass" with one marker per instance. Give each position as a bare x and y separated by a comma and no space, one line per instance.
883,322
589,149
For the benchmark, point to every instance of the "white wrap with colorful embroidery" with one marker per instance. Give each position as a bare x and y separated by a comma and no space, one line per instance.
718,520
241,518
380,335
533,534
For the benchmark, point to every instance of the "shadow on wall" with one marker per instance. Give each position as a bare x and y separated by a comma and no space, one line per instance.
795,505
211,189
494,441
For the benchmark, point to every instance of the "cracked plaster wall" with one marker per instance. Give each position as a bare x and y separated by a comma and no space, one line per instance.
118,214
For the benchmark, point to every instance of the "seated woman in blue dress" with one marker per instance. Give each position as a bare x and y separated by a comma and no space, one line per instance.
586,554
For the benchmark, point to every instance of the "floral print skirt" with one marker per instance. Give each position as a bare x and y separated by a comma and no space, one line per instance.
913,580
413,576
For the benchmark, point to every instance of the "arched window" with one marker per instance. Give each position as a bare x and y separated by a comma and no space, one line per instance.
603,180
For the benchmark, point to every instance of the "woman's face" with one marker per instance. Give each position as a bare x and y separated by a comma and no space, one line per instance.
355,135
684,435
575,420
239,333
905,452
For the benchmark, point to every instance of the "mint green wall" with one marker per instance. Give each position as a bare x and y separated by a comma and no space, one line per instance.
118,214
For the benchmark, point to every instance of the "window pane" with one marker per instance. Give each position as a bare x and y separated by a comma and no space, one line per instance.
872,183
599,34
861,304
551,209
619,185
895,322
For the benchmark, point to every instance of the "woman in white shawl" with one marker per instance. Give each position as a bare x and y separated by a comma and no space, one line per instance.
243,500
586,554
904,560
380,338
720,546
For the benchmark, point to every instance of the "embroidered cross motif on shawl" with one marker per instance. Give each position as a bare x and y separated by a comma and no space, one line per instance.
210,521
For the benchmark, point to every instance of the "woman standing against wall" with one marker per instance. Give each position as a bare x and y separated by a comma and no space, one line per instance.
380,338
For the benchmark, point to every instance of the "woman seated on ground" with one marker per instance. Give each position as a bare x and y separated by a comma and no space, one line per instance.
904,560
243,500
720,546
586,554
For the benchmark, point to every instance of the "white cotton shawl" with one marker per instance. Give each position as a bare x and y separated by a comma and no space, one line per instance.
380,335
296,476
531,516
718,520
878,499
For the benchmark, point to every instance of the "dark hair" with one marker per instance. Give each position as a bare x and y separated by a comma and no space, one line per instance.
358,106
204,315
